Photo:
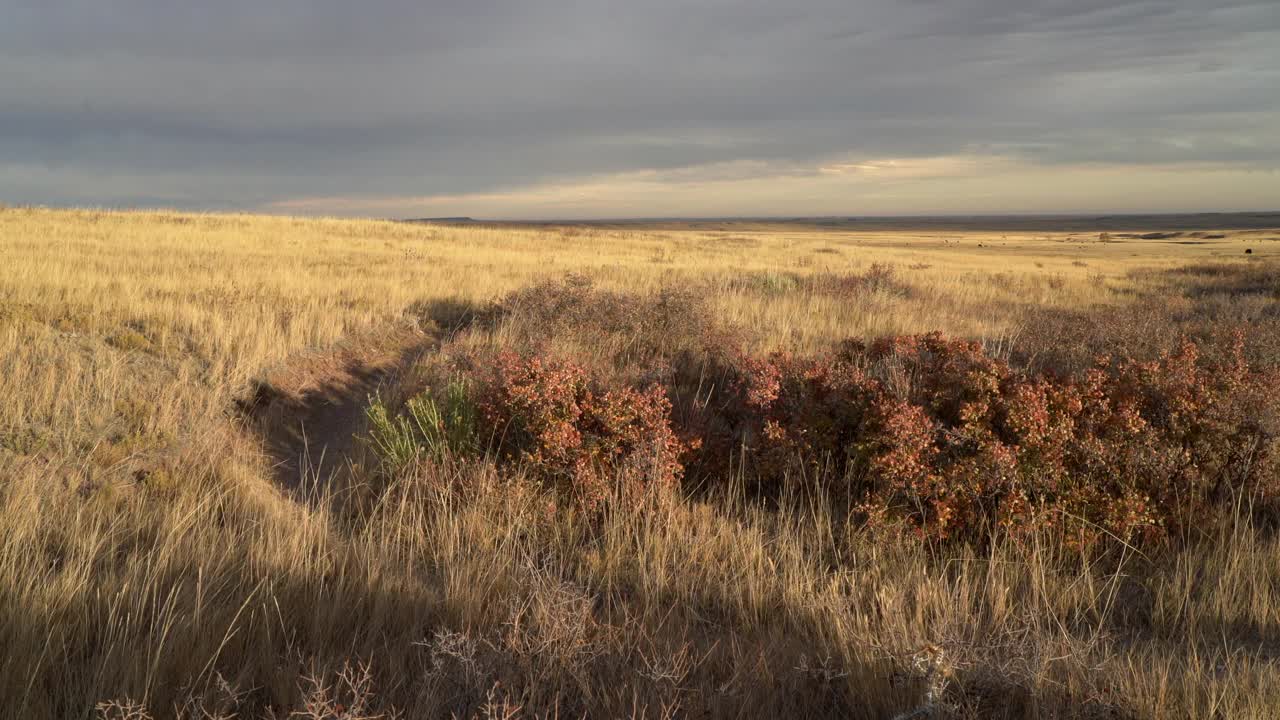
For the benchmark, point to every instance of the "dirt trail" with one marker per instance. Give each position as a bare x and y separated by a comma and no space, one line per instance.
310,409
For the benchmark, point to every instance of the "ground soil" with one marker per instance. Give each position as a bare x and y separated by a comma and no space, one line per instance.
310,409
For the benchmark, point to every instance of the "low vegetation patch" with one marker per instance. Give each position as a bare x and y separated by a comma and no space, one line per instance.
937,435
878,278
919,432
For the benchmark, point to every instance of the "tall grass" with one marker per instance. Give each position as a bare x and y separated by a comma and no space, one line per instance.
150,562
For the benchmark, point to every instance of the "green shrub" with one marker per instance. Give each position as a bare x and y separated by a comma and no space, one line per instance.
433,424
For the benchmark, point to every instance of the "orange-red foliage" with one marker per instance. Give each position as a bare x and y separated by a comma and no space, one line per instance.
920,432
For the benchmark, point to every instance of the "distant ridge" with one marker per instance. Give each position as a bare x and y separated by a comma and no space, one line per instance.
459,219
992,223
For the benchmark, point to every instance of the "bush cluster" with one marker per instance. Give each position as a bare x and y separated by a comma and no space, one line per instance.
1202,302
921,432
935,434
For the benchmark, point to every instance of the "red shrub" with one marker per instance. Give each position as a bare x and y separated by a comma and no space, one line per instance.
937,434
917,432
591,445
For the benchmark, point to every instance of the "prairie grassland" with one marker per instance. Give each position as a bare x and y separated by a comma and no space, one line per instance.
155,561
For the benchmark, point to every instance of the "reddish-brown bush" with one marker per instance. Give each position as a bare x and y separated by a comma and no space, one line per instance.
592,444
916,432
1202,302
935,434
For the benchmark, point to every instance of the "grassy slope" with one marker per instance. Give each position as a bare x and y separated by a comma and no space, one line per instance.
146,553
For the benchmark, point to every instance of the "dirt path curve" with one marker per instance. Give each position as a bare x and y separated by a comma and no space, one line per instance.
310,409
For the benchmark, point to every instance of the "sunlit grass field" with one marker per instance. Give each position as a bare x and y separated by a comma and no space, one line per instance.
153,561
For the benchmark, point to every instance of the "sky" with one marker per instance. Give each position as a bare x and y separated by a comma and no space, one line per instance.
541,109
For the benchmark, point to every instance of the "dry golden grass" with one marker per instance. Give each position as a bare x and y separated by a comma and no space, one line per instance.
147,553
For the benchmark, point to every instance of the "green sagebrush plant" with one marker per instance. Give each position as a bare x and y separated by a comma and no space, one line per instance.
433,424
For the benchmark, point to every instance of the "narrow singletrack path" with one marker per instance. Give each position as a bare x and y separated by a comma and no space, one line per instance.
310,410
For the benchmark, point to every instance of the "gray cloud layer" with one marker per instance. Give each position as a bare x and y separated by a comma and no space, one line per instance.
240,103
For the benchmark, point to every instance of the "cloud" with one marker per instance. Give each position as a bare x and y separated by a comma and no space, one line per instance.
237,104
948,184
